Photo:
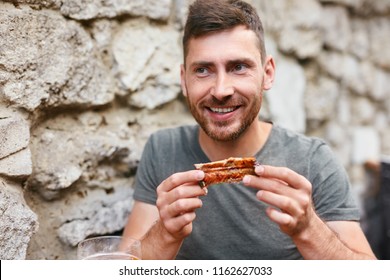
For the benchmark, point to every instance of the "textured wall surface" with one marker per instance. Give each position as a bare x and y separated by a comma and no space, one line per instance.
84,83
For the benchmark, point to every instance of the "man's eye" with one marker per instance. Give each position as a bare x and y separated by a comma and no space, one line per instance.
201,71
240,67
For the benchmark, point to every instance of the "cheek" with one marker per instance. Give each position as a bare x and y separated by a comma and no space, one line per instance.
197,91
248,89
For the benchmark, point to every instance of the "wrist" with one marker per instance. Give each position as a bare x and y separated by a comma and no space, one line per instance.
167,237
314,228
158,243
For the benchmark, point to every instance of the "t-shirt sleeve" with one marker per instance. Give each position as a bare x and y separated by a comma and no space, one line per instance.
146,180
332,194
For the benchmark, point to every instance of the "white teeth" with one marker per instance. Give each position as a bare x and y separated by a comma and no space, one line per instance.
222,110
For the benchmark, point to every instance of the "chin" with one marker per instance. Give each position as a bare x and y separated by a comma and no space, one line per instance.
223,134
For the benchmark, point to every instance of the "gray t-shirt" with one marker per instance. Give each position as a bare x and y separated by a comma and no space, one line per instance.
232,223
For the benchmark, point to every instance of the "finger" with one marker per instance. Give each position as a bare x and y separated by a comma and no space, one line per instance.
283,174
177,224
181,178
282,219
186,191
261,183
181,206
181,192
284,203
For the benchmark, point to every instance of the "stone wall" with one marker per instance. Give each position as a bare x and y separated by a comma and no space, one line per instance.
83,84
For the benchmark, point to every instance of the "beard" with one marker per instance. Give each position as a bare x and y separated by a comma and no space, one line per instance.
229,130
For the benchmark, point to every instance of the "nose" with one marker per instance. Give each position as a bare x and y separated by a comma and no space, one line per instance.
223,86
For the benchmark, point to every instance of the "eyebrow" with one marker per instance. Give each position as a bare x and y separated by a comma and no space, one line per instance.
229,63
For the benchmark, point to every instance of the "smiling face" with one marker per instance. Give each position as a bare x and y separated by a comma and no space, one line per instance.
224,79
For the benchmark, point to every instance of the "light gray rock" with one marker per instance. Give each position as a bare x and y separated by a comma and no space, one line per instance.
49,61
336,135
180,11
348,3
14,134
66,150
379,43
302,43
87,9
56,161
286,98
343,108
365,144
17,165
58,167
295,24
106,220
17,222
148,62
378,81
364,7
347,69
38,4
363,111
359,43
157,93
89,208
379,6
385,140
321,99
336,26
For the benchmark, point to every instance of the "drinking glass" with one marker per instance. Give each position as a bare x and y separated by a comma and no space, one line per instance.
109,248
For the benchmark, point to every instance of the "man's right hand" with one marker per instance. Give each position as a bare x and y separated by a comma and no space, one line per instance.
177,200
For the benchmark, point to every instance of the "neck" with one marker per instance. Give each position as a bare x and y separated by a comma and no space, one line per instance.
247,145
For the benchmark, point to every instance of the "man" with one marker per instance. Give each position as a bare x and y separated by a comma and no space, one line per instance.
298,206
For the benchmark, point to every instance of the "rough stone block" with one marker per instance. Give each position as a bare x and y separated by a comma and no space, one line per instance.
14,135
17,165
48,61
84,10
17,222
366,144
286,98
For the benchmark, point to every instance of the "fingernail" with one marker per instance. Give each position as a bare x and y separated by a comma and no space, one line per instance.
246,180
199,175
206,191
259,169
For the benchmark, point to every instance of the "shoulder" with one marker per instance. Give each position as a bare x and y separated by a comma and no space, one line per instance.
174,132
304,154
295,139
173,140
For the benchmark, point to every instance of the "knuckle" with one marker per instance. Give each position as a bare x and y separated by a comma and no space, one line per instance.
301,213
179,192
174,180
189,217
158,203
170,226
305,201
309,188
160,200
285,172
180,205
286,203
160,190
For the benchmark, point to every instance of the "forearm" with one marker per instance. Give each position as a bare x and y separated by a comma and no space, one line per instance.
158,244
319,242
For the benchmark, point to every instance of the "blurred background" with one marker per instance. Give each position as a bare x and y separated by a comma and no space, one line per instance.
84,83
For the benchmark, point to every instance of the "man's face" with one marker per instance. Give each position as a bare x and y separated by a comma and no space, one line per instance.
223,80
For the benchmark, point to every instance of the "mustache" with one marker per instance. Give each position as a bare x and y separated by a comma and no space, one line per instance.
228,101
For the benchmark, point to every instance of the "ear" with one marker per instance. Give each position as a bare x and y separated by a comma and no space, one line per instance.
183,80
269,73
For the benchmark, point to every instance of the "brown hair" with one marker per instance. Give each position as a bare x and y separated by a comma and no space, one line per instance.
207,16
